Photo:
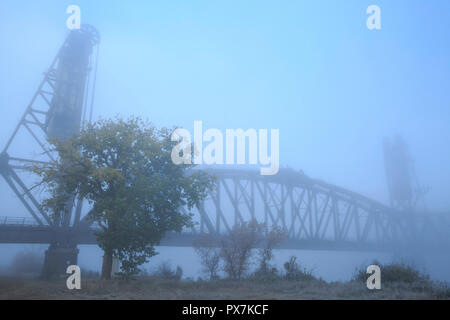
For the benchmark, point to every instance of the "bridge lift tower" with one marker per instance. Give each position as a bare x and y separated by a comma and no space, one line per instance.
56,111
404,189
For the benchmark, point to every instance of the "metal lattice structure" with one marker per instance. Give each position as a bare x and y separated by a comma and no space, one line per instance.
55,111
313,214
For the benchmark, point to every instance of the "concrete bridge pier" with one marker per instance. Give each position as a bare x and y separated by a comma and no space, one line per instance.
57,258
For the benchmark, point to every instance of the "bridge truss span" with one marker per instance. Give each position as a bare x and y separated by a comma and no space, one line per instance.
312,213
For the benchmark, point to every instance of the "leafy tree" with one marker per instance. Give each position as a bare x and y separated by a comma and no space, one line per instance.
123,168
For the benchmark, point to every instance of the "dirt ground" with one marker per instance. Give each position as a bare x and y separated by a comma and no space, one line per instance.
22,288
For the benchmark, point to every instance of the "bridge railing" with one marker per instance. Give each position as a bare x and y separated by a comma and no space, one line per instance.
18,221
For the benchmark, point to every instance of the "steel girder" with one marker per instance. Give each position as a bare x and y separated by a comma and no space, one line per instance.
311,210
313,214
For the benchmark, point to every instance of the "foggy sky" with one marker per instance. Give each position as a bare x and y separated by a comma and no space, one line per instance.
311,69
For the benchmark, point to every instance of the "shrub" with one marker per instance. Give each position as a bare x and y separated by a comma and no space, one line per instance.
293,271
236,248
166,272
206,248
265,268
266,274
394,272
441,290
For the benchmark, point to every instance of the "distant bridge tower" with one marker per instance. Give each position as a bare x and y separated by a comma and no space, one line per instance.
64,116
56,111
399,173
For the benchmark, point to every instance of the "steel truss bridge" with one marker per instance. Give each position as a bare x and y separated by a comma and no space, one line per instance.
313,214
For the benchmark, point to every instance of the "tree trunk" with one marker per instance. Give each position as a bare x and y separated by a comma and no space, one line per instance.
107,265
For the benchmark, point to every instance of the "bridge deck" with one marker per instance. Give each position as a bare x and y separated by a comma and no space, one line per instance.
32,234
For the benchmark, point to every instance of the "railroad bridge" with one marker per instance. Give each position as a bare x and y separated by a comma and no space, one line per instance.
314,214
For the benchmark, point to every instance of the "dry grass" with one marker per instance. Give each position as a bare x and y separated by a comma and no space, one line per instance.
152,288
